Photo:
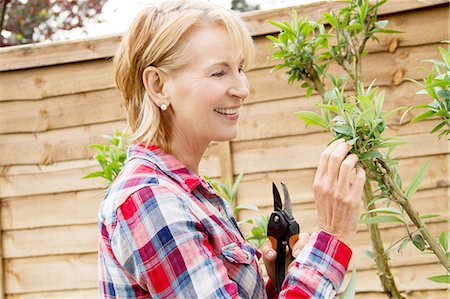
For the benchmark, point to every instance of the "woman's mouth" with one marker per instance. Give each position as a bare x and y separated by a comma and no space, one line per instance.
229,113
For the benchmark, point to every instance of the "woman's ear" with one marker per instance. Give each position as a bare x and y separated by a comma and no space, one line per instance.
154,80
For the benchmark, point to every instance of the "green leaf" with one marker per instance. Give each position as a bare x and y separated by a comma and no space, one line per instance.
423,116
419,242
415,183
331,108
311,118
257,231
236,185
344,130
370,155
244,207
436,128
428,216
440,278
380,219
443,240
389,210
93,175
350,290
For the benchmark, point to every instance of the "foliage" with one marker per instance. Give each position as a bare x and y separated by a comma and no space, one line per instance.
437,86
38,20
306,49
111,157
227,190
243,6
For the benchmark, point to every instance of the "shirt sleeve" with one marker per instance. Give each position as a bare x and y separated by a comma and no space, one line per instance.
319,269
164,248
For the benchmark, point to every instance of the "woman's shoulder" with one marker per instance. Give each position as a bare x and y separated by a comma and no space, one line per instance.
138,181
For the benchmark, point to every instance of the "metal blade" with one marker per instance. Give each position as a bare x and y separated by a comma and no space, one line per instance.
287,200
277,204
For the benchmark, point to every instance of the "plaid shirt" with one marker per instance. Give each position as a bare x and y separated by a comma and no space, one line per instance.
165,233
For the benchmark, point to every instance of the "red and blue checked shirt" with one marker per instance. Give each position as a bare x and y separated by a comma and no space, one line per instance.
165,233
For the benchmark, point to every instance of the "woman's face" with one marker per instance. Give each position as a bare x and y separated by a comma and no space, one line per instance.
206,94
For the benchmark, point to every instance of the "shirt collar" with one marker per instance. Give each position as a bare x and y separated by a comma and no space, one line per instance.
167,164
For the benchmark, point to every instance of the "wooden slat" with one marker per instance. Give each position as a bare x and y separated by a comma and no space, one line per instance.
257,21
91,293
56,145
51,273
51,241
406,22
304,151
43,54
432,294
426,202
39,83
61,112
66,176
408,278
66,209
384,67
257,188
276,118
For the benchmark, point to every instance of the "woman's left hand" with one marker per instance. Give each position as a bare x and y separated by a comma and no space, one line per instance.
269,255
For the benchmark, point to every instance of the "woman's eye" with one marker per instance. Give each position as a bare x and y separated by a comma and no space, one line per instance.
218,74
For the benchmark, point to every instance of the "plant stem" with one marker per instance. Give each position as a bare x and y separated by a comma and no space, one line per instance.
399,197
380,256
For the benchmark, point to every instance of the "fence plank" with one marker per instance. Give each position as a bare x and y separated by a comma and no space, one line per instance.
304,151
387,68
406,22
66,209
51,241
51,273
61,112
66,176
43,54
257,188
257,21
426,202
91,293
39,83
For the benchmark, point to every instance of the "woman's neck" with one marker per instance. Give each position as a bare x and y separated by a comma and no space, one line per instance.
188,152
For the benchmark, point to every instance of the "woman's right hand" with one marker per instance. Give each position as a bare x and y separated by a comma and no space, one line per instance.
338,196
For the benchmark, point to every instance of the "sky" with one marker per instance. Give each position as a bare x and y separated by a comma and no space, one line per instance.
117,15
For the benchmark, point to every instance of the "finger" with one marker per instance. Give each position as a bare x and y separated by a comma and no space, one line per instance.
291,265
335,160
269,254
358,185
345,173
323,162
300,244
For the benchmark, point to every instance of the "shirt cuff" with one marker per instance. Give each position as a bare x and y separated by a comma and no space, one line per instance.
327,255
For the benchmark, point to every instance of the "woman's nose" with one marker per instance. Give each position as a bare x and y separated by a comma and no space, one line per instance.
240,87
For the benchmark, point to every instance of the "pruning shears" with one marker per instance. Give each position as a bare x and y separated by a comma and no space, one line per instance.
282,231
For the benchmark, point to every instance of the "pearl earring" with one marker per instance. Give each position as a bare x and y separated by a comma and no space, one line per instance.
163,107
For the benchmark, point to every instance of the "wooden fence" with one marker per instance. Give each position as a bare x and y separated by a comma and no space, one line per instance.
56,99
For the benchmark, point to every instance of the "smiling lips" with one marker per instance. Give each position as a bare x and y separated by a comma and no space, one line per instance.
230,113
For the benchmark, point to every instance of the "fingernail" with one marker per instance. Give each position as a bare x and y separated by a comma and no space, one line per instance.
270,254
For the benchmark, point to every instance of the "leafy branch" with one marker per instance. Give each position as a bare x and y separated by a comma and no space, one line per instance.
306,49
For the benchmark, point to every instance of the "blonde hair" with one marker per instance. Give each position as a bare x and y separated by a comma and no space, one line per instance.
155,38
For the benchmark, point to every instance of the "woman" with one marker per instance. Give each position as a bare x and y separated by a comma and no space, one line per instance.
164,231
